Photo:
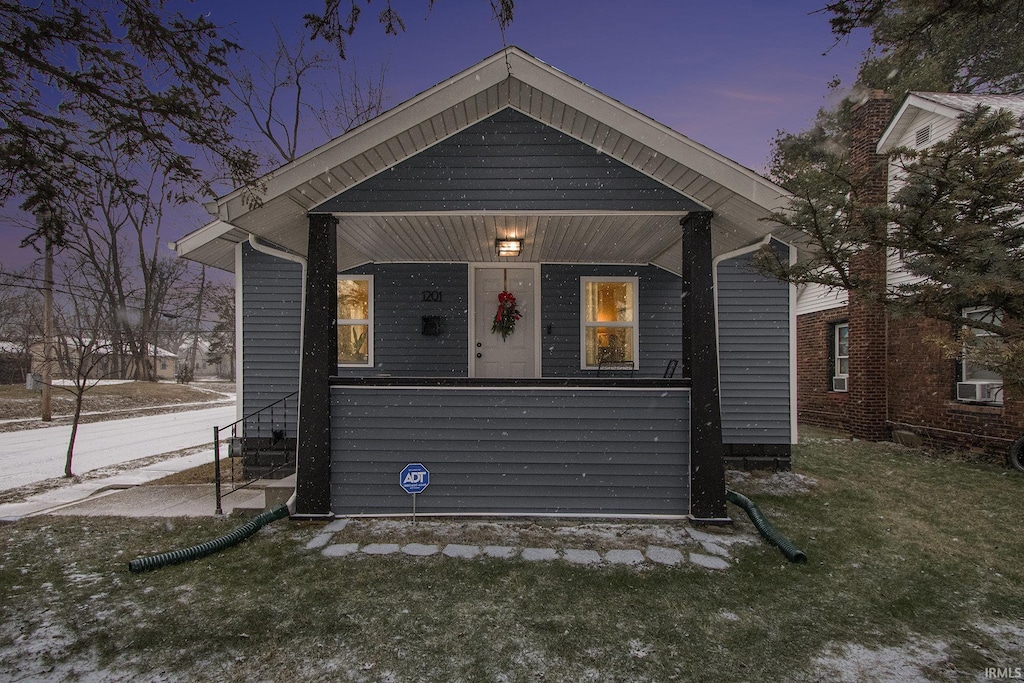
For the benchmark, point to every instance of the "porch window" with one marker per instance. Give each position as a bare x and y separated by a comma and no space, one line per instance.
840,360
355,320
610,332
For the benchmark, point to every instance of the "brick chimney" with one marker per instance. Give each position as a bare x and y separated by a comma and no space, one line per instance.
868,400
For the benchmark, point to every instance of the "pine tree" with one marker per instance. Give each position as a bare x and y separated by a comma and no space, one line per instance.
958,223
957,220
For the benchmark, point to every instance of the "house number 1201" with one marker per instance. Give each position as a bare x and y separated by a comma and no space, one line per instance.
434,296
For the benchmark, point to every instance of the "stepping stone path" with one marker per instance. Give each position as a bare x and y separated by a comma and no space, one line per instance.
540,554
675,547
420,550
581,556
669,556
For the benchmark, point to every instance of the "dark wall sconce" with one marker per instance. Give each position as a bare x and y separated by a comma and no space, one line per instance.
433,325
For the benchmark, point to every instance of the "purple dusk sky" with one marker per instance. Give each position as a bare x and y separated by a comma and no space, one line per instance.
726,73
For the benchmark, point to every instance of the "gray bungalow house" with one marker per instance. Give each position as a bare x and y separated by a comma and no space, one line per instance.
637,348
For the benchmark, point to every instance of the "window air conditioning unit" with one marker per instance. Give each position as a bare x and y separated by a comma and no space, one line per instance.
978,391
839,384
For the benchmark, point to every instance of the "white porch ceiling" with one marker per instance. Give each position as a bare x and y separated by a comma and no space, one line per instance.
620,238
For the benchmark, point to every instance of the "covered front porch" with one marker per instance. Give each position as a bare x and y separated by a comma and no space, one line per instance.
603,416
528,443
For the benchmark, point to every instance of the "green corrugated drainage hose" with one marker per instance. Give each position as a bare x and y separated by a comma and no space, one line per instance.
203,549
792,553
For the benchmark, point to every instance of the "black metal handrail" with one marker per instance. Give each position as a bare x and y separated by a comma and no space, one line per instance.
271,409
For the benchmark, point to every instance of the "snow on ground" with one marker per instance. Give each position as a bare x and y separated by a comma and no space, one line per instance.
92,382
921,659
770,483
859,664
33,455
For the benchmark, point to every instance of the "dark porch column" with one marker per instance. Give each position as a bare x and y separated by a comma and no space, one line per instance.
700,360
319,362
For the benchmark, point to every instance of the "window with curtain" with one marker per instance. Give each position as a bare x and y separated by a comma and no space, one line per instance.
355,320
609,321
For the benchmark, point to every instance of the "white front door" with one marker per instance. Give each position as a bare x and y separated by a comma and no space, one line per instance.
515,355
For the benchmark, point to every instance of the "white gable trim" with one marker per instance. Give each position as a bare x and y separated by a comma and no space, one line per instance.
478,79
738,196
905,117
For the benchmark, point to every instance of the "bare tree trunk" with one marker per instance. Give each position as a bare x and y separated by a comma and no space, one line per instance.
79,396
84,357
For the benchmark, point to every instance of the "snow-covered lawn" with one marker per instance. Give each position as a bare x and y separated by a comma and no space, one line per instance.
913,575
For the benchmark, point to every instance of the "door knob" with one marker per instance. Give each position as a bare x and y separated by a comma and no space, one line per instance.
479,355
479,344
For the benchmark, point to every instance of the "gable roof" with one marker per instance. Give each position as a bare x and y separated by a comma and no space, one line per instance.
509,162
950,105
509,80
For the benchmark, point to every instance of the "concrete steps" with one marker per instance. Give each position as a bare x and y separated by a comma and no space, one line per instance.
273,492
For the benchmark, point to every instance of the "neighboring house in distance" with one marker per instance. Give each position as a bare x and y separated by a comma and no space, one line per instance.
878,377
105,368
166,362
14,363
370,276
204,369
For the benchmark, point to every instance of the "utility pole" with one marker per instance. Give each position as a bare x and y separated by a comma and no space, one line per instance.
156,337
194,351
45,220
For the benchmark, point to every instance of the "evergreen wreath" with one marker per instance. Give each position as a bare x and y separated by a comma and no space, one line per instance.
507,315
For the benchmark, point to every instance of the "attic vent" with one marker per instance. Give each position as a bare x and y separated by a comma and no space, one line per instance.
923,136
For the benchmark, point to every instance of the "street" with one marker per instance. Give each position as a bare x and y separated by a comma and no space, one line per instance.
36,454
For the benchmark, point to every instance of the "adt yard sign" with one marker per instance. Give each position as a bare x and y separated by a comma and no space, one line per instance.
414,478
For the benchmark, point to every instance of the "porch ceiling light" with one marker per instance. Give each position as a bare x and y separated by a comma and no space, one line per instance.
508,247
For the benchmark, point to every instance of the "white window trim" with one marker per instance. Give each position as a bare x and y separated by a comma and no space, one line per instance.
360,321
835,353
634,325
965,363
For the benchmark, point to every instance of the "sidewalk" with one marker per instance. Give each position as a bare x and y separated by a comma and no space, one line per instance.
121,495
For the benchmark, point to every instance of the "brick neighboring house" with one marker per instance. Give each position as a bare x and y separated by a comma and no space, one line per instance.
875,376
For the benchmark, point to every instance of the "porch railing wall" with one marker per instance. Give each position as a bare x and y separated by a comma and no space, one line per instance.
565,448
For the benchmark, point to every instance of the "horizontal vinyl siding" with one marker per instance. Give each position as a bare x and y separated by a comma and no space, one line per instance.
754,354
815,298
660,318
271,325
400,348
509,162
565,451
941,128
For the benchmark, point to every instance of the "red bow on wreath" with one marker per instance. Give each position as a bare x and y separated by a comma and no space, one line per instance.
507,315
